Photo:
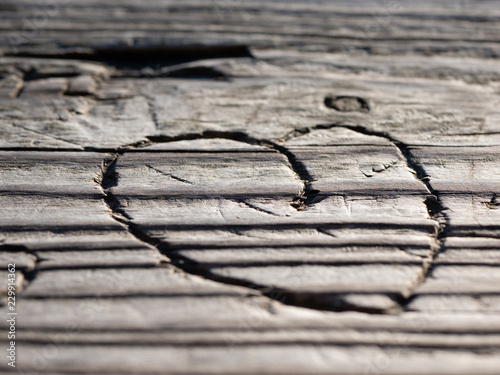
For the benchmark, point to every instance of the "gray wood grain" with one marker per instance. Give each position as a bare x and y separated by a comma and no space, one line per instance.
236,187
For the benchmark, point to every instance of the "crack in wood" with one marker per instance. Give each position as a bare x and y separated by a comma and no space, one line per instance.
253,207
139,57
169,175
152,111
325,232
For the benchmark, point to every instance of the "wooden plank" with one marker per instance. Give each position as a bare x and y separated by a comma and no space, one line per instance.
470,250
232,338
391,279
462,279
272,359
233,313
125,257
251,187
485,304
104,283
207,175
363,26
65,206
174,100
189,312
326,254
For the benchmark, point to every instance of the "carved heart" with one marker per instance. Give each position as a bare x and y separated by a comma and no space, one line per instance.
302,225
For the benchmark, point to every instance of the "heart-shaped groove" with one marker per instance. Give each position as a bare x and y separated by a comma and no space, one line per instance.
334,301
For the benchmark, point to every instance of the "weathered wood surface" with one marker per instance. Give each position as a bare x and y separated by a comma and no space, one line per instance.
236,187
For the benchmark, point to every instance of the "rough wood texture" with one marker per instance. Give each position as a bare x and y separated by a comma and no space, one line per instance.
236,187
